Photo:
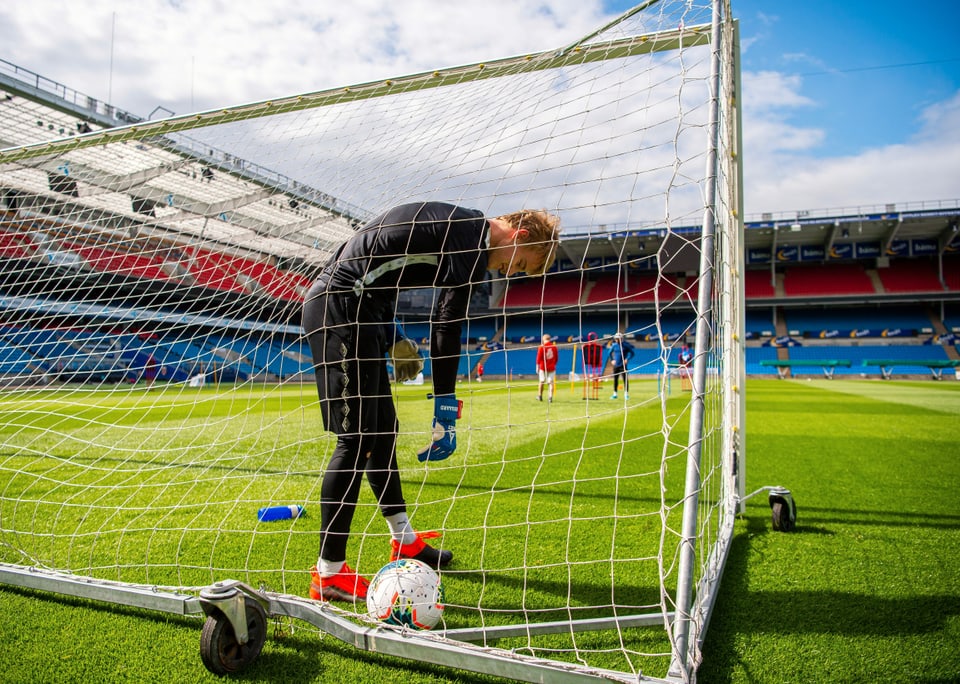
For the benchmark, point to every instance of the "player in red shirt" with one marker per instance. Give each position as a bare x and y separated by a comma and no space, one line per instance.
592,366
547,367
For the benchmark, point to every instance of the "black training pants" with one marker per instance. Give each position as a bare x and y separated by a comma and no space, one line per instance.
348,348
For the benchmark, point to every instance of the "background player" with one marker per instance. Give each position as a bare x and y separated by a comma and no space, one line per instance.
592,366
547,367
621,352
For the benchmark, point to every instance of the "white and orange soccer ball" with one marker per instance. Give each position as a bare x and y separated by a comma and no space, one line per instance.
406,592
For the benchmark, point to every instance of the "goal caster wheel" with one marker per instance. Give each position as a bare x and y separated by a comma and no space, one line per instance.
234,631
783,510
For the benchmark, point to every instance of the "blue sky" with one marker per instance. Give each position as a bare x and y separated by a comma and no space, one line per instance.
859,99
846,103
868,68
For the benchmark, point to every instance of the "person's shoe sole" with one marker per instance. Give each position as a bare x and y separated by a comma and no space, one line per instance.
337,594
435,558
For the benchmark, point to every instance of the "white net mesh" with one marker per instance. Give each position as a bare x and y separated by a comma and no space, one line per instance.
158,389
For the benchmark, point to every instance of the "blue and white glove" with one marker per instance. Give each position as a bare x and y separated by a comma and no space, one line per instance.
446,410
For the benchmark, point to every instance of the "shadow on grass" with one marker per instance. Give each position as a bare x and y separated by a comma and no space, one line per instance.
742,611
875,518
646,598
285,658
290,659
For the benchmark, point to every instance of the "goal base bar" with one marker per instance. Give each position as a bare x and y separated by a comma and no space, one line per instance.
135,596
450,648
558,627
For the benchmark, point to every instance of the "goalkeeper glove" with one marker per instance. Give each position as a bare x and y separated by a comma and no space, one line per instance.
446,410
407,363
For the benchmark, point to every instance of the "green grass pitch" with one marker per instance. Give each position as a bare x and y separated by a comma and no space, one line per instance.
866,589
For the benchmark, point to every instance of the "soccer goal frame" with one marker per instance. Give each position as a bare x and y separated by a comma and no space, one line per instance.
692,554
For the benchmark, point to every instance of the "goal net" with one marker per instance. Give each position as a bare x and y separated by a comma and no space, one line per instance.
158,391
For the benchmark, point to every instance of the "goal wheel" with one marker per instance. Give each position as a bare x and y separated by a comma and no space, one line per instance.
783,510
220,651
781,517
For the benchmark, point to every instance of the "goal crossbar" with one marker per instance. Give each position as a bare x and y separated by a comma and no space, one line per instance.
552,59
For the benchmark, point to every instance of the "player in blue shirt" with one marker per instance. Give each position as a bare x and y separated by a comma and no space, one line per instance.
621,352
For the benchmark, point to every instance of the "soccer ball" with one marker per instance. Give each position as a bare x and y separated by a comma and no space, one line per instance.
406,592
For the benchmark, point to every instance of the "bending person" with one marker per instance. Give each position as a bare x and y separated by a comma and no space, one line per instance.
348,319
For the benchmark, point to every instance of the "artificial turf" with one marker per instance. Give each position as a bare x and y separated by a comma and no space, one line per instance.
867,588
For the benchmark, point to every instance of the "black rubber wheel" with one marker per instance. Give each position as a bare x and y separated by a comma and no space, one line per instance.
219,649
781,517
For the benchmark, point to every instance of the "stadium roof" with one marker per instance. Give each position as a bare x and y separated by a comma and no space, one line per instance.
917,229
175,189
188,189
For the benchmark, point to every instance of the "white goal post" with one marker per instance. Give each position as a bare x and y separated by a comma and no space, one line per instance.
158,389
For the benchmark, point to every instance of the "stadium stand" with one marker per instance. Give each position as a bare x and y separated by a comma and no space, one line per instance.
550,291
757,284
910,275
756,356
910,358
636,287
760,322
563,327
785,367
873,321
211,270
951,274
125,263
951,317
16,362
202,241
826,280
13,246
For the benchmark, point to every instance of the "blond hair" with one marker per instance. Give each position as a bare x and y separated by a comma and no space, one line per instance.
543,234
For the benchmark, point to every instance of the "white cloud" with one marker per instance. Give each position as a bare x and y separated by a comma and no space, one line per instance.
189,56
924,169
803,58
771,99
941,120
767,90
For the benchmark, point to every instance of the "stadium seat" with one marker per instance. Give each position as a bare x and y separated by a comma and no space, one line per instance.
552,290
909,275
830,279
635,287
951,274
757,285
209,270
13,247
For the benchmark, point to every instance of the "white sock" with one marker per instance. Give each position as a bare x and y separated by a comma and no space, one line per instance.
329,568
400,528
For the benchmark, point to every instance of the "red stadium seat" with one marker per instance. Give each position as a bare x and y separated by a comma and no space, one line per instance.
636,287
910,276
757,285
830,279
11,246
552,290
